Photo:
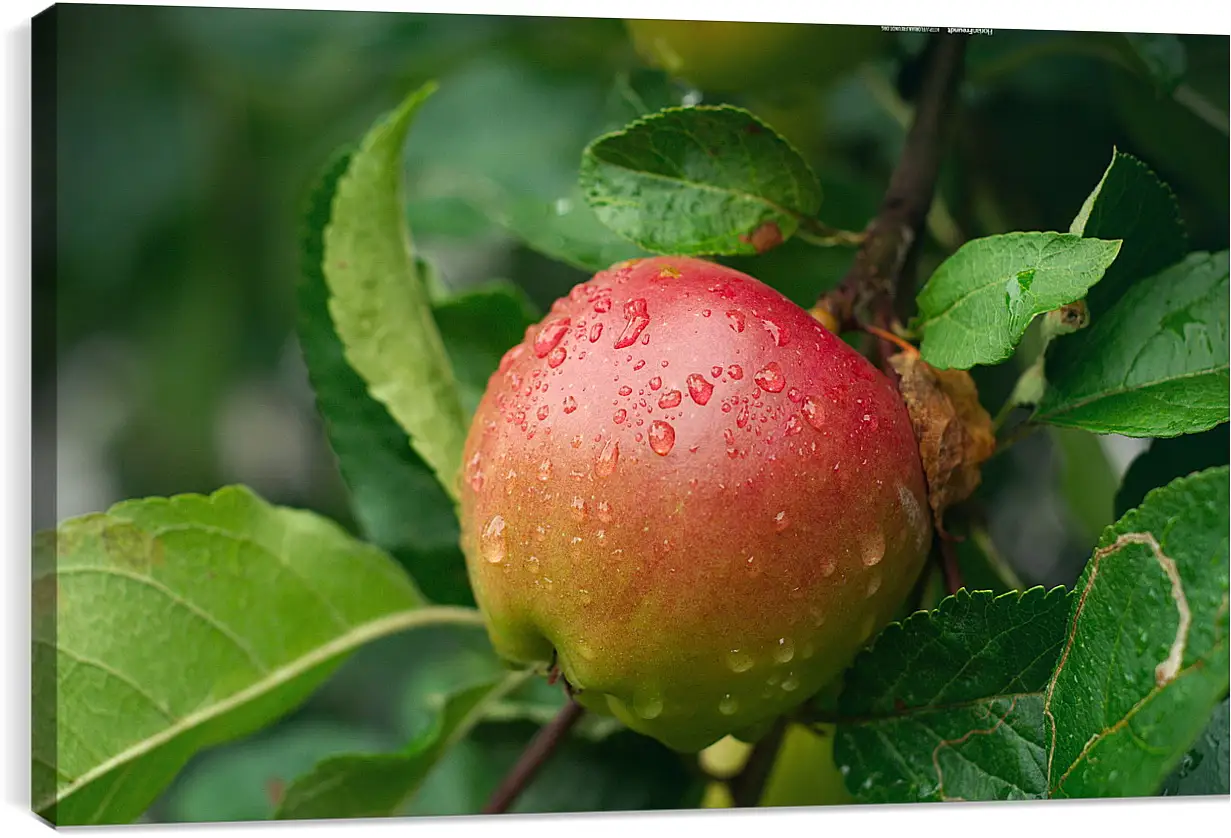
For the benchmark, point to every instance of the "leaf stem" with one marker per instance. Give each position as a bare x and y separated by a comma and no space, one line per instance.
749,784
532,759
817,232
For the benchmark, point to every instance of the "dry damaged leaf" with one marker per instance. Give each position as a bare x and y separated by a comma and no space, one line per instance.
955,433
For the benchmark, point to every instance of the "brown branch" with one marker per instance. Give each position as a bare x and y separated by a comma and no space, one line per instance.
749,784
949,564
877,288
540,749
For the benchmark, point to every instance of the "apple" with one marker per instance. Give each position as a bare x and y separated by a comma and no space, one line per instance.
690,499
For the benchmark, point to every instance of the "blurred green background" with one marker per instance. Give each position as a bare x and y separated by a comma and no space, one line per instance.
187,140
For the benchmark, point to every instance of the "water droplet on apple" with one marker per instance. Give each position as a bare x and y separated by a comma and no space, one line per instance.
604,511
491,542
781,521
739,661
636,317
626,390
648,704
556,357
814,412
728,705
670,399
699,389
620,416
596,332
790,683
545,470
607,459
542,412
779,333
770,379
570,404
784,651
736,320
736,372
550,335
577,507
874,549
662,437
656,382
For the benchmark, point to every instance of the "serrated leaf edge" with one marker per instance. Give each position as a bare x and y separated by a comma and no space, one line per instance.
588,154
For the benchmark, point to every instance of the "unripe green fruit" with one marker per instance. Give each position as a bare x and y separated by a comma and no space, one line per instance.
735,56
691,497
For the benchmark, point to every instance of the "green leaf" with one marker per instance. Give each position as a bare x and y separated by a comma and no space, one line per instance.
478,327
566,230
948,704
242,610
244,781
976,306
1155,365
374,785
1205,769
380,304
624,772
699,180
1087,482
395,498
1167,459
520,177
1145,660
1130,203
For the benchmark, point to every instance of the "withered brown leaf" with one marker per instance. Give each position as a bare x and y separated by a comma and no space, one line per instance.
954,432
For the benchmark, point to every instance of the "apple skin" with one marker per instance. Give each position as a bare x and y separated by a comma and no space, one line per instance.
691,497
737,56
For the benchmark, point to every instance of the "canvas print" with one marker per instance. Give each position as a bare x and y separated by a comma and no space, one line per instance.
457,415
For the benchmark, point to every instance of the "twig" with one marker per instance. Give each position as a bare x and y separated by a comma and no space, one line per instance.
953,572
878,284
819,233
749,784
540,749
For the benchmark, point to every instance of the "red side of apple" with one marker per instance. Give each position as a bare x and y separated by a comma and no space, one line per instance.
692,497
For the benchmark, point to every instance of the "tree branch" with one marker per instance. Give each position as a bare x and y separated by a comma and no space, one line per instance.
949,564
540,749
877,289
749,784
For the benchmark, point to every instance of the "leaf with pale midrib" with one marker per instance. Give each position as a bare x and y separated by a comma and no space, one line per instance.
1154,365
699,180
380,304
375,785
1145,659
948,704
394,495
165,626
976,306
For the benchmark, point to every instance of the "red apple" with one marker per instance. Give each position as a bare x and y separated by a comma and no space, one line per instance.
691,497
